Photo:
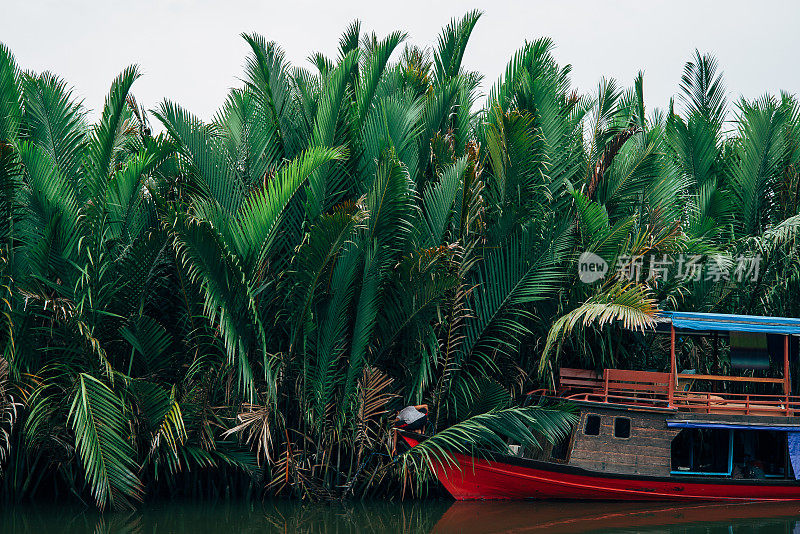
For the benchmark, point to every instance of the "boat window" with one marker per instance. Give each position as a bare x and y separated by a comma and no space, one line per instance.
759,454
739,454
592,427
702,451
622,427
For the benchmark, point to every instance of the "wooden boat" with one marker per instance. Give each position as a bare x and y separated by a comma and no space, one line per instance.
661,436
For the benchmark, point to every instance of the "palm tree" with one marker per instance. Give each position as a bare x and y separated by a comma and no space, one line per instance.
246,300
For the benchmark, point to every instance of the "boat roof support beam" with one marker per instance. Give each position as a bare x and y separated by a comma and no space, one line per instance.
673,367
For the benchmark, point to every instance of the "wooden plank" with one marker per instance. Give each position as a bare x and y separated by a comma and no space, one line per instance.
648,451
626,470
622,456
622,387
575,373
657,448
580,378
637,376
621,460
623,463
637,438
571,383
637,434
630,465
647,446
645,430
719,378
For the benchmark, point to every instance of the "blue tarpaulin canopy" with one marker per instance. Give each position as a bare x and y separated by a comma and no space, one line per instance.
793,442
735,323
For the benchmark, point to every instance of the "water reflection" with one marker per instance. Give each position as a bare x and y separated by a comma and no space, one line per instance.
231,518
563,517
409,517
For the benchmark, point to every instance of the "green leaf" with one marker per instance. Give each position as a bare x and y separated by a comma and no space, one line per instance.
452,45
322,183
105,135
758,168
55,122
373,70
97,418
258,220
10,108
489,432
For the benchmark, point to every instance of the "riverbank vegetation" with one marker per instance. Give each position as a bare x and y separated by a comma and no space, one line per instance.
236,306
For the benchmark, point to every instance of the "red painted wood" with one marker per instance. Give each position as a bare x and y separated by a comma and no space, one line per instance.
642,388
787,386
579,379
474,478
673,367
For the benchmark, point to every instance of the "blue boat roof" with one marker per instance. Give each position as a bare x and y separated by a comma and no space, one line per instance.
777,427
732,323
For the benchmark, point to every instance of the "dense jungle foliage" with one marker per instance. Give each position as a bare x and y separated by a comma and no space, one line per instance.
237,306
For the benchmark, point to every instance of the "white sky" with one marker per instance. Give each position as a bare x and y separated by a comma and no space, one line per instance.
191,51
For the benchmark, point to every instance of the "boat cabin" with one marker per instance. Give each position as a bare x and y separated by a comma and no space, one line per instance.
677,422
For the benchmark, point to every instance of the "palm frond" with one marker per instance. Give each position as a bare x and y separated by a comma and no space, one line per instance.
98,419
205,156
489,432
268,78
259,218
373,70
10,96
257,421
104,137
629,303
320,185
761,149
55,122
452,45
703,90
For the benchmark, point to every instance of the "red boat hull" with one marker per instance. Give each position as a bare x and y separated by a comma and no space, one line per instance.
507,478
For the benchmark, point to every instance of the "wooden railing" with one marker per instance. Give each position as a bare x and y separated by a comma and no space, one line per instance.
642,384
645,388
579,379
620,398
718,378
736,403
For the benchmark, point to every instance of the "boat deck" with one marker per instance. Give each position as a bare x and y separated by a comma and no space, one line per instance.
663,390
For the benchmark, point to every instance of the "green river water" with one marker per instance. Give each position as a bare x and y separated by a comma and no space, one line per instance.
412,517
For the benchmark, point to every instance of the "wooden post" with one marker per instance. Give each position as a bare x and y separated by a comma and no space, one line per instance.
673,367
787,384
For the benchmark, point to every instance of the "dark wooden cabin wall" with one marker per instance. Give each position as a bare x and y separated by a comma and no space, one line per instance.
646,452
